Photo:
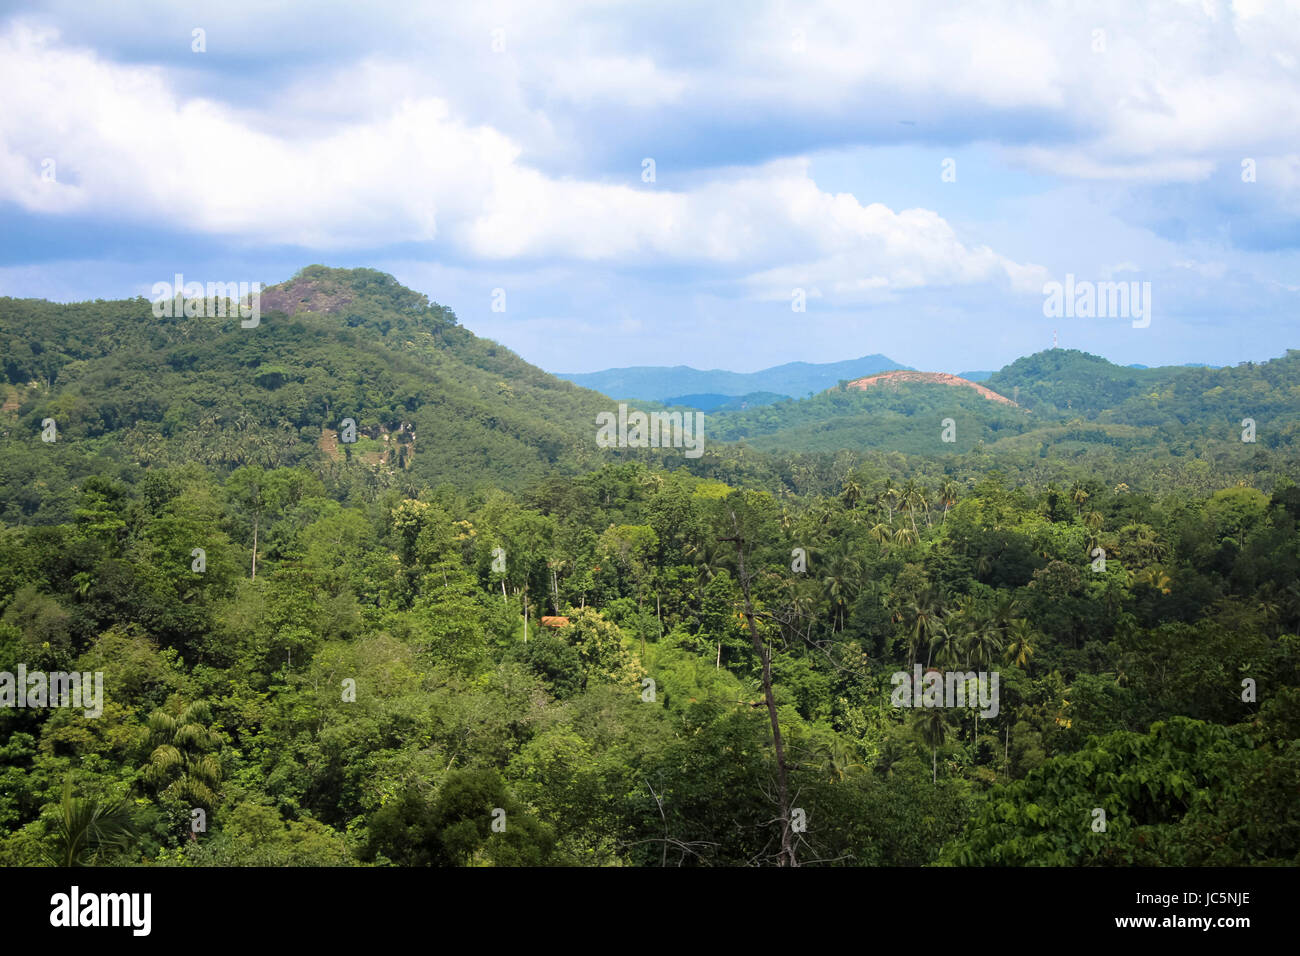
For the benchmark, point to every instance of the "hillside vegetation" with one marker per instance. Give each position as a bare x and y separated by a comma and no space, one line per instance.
333,652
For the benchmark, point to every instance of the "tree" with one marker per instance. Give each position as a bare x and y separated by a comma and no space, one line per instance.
600,648
926,614
787,856
932,725
843,570
87,829
457,826
1021,642
851,492
948,495
183,766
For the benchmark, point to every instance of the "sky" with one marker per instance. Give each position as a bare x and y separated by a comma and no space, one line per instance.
667,183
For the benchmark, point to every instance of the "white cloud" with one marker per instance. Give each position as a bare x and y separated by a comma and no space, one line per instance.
415,172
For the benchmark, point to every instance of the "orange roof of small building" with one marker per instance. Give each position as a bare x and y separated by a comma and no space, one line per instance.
555,621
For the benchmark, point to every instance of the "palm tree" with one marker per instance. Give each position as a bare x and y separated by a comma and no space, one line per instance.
944,647
948,497
1079,494
851,493
1143,542
905,535
983,642
842,574
926,614
181,765
934,731
908,498
1020,642
703,555
1155,577
839,759
982,647
887,498
87,827
1004,612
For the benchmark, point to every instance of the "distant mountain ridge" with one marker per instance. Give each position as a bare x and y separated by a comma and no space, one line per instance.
661,383
713,402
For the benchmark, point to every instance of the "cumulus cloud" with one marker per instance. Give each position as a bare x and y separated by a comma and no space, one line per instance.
416,173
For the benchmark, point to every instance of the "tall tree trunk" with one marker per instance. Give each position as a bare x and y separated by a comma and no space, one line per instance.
256,519
787,857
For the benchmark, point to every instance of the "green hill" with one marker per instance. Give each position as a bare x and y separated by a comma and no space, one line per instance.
1069,400
128,389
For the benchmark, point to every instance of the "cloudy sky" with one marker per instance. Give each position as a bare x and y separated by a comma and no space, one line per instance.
500,145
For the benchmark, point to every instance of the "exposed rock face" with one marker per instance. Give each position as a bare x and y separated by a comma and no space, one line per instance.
306,295
932,378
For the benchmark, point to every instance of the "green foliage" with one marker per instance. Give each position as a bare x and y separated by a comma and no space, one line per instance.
369,697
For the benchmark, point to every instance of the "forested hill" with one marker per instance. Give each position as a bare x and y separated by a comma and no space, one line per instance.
1067,401
434,404
427,395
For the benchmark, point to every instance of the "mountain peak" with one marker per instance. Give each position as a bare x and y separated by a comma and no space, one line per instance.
328,291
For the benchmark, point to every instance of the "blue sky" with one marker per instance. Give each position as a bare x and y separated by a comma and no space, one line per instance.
501,145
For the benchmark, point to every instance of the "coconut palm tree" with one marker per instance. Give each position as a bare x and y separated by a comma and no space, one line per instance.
947,497
907,501
933,728
839,759
1020,642
843,571
926,615
982,642
851,492
945,647
887,498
